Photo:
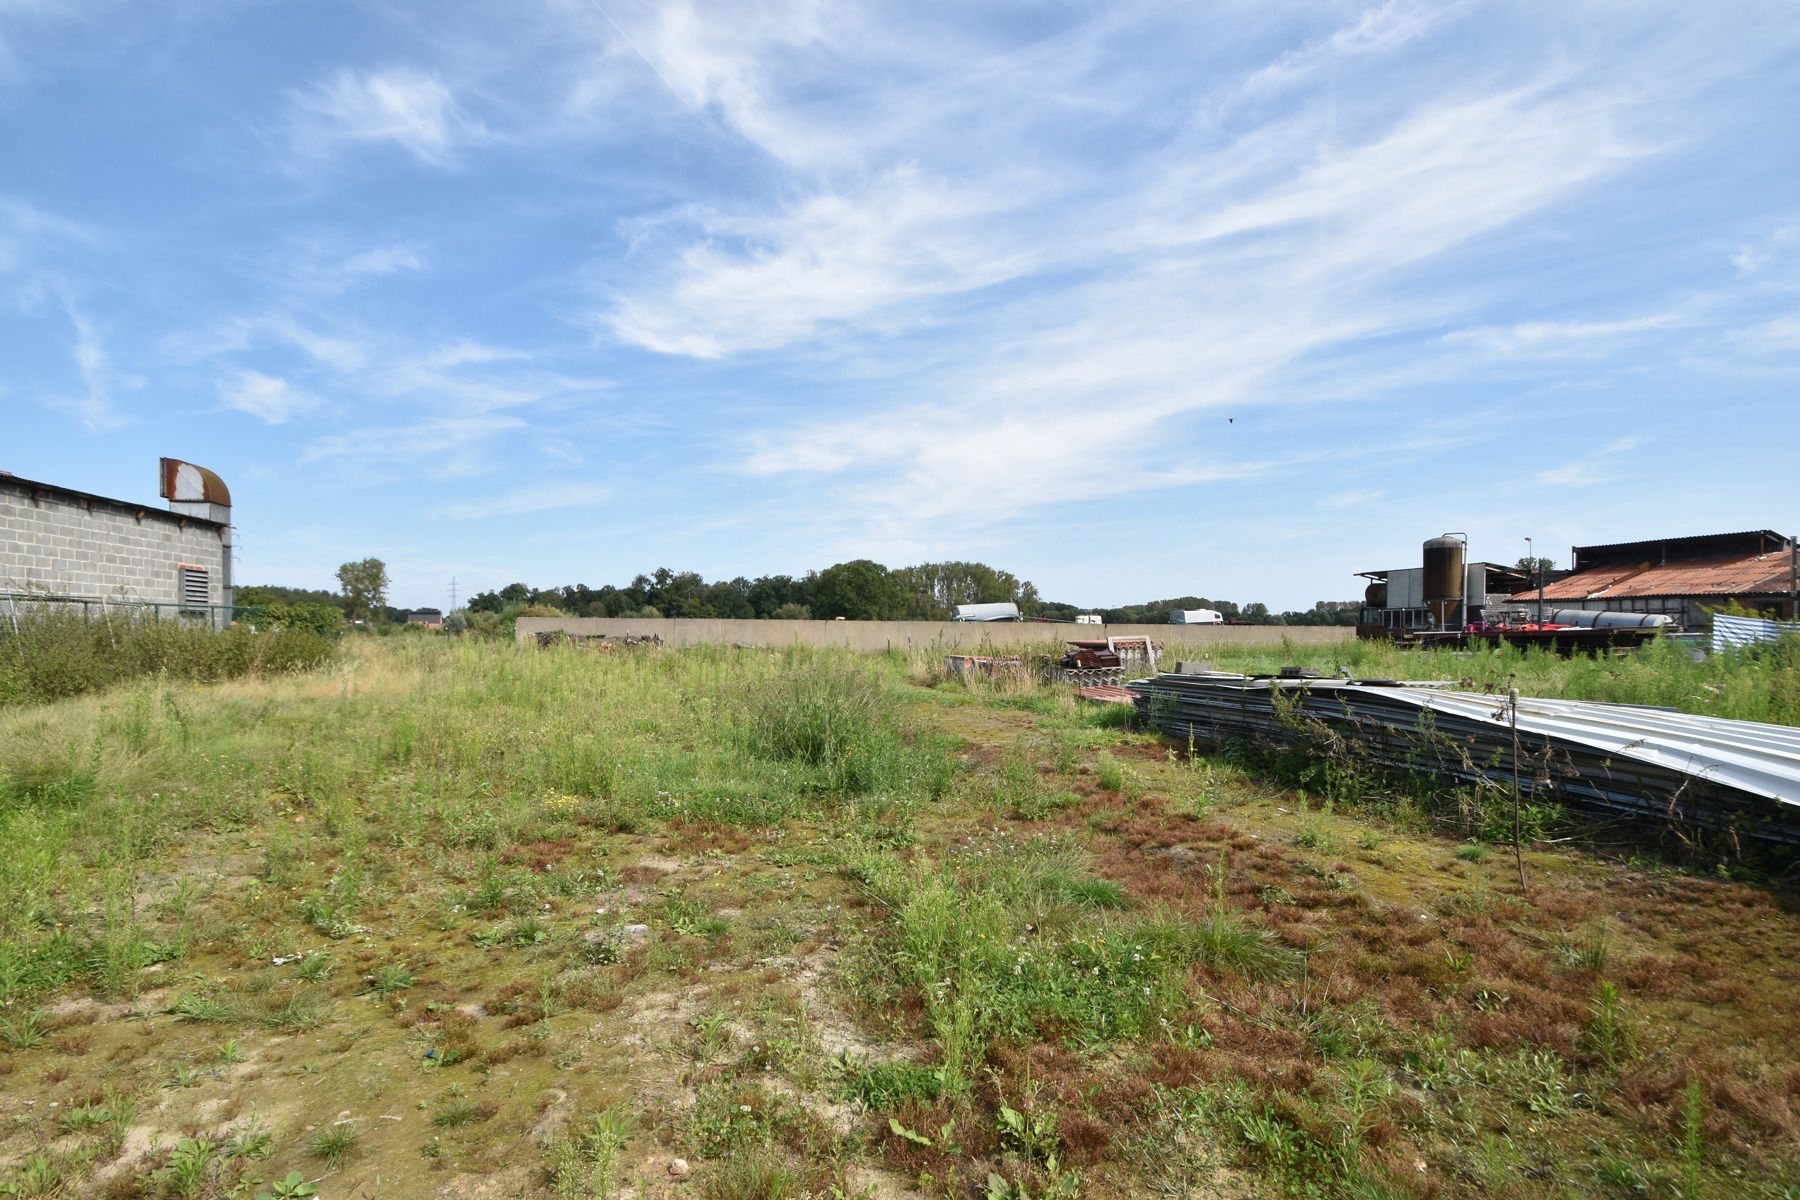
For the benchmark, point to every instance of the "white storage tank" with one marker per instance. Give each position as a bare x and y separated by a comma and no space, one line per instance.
1003,611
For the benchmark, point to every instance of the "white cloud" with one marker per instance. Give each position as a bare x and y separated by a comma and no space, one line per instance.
530,500
1598,467
341,353
1552,339
755,283
92,404
1192,301
25,228
1379,29
1352,499
235,334
412,109
265,396
456,441
1779,336
468,352
728,61
1755,258
381,260
320,269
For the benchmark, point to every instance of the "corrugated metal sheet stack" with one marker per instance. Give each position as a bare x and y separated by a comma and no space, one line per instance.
1656,763
1734,633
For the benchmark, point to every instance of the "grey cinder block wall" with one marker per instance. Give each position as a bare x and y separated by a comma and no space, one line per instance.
64,542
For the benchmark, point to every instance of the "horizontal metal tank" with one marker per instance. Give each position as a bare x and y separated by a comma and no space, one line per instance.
1588,618
1444,578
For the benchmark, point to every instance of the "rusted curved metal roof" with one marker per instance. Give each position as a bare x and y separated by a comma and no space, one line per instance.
1734,575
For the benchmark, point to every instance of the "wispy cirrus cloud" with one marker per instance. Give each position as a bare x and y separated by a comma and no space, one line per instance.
317,267
92,401
531,500
1190,305
860,258
412,109
1591,469
267,397
1354,498
1559,338
1379,29
338,350
26,229
452,445
1778,336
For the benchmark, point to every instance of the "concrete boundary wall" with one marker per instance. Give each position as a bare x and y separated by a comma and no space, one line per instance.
950,636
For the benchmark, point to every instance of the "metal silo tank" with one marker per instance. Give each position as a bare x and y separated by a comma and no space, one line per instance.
1444,578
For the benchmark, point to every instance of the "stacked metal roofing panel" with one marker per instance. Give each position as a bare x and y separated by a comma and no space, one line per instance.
1654,762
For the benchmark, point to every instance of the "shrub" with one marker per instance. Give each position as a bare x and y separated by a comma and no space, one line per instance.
321,619
51,656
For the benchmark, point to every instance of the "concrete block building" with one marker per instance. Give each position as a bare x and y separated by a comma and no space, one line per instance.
62,544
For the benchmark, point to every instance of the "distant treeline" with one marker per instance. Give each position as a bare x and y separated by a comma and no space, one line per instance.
274,595
862,590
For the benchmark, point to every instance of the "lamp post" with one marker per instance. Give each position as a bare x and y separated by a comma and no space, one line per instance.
1538,567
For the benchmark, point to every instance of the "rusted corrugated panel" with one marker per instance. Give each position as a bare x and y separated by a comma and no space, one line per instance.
1105,694
1742,575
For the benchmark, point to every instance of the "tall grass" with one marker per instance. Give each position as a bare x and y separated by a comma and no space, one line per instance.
1760,684
50,656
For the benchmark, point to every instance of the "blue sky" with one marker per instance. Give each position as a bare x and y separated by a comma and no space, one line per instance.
1132,299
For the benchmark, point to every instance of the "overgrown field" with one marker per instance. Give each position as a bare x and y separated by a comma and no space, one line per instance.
456,919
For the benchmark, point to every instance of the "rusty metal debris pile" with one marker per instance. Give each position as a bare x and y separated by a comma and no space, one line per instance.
1654,763
1086,668
605,643
961,666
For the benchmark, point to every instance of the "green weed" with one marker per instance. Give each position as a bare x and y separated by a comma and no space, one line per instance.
1608,1035
886,1085
25,1031
390,978
584,1162
334,1143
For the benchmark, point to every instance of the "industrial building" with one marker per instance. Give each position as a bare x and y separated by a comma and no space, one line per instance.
1406,599
62,545
1681,578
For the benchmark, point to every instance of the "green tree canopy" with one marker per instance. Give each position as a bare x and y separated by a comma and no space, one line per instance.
859,590
365,586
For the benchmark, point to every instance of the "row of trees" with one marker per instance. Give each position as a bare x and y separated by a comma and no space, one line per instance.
861,590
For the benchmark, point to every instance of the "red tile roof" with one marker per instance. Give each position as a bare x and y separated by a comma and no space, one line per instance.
1735,575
